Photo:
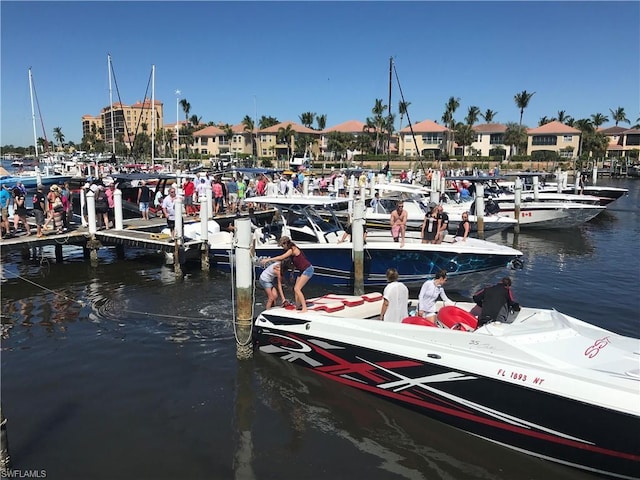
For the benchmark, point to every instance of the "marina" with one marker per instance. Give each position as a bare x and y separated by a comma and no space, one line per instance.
133,339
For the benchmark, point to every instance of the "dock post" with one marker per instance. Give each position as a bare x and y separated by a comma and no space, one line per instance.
594,174
204,235
435,183
480,209
177,266
352,192
38,177
5,458
117,209
209,195
91,212
536,188
83,206
517,200
244,281
357,238
305,186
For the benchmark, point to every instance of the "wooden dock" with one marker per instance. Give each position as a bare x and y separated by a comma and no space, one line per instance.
136,233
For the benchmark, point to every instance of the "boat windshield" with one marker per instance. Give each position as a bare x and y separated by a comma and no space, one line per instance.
300,216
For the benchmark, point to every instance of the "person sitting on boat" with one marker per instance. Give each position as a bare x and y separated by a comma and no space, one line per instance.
430,226
301,264
375,202
267,279
443,224
395,301
492,207
496,302
464,227
347,233
430,292
399,223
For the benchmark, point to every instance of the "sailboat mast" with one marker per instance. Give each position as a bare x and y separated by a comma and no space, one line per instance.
33,114
153,114
113,128
389,116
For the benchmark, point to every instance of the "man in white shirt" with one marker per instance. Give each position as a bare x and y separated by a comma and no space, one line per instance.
395,303
430,292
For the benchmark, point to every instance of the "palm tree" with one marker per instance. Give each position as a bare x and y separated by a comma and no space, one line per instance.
618,115
285,135
402,110
447,118
195,120
228,133
522,101
472,115
544,120
186,108
321,121
59,136
489,115
562,116
378,121
515,135
306,119
599,119
249,127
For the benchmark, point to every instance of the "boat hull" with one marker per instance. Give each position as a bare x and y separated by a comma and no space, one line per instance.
334,266
529,420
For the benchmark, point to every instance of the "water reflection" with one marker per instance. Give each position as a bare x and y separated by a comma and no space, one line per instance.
402,443
571,242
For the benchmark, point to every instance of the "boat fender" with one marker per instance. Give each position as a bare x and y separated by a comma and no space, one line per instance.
418,321
456,318
517,264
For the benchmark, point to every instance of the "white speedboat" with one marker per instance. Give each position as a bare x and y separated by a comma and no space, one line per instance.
545,383
311,224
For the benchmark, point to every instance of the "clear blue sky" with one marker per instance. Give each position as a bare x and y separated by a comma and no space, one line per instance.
285,58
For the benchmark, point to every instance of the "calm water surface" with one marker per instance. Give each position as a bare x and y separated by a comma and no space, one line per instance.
125,372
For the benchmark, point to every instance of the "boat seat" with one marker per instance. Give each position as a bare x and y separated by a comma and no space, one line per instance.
418,321
456,318
328,306
372,297
348,300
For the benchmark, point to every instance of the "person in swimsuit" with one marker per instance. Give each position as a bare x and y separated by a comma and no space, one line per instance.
300,263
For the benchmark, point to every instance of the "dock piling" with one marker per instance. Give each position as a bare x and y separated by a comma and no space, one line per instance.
117,210
480,209
517,201
204,235
244,280
357,237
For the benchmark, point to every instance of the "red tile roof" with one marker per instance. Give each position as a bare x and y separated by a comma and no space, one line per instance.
490,128
426,126
553,127
296,127
350,126
632,131
611,130
210,131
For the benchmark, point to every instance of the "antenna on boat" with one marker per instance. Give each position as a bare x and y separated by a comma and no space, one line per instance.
389,117
113,127
153,115
33,114
415,142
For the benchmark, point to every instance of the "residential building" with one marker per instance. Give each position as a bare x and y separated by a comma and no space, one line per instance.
554,137
351,127
621,140
489,140
269,145
127,120
428,140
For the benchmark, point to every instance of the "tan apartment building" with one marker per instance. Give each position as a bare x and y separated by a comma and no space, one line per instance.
214,141
554,137
621,141
270,147
127,120
490,139
428,136
351,127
